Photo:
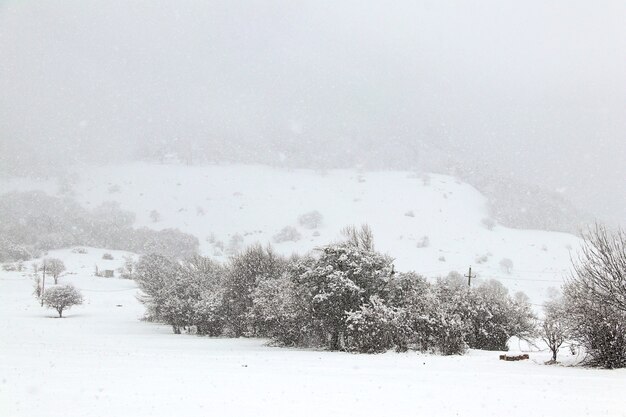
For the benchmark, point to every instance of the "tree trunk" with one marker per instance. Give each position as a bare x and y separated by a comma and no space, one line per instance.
554,354
334,340
60,310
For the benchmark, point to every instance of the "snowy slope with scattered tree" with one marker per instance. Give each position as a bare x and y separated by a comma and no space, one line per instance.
429,223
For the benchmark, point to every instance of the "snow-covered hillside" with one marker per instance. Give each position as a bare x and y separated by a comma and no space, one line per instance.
429,223
101,360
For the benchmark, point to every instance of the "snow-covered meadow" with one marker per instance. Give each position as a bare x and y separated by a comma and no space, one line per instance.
101,360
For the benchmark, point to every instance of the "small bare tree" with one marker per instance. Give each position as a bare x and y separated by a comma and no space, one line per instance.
362,238
62,297
553,329
128,268
506,265
54,267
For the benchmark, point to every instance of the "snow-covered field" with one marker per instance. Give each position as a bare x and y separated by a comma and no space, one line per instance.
101,360
217,202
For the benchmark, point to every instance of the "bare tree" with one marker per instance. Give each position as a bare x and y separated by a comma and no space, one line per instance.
553,330
362,238
600,268
595,297
506,265
54,267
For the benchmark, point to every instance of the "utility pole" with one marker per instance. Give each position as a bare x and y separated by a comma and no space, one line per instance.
43,283
469,277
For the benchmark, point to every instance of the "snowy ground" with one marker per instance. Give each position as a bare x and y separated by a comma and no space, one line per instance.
256,202
102,361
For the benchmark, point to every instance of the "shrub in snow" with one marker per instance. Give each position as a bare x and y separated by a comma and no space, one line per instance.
81,251
10,251
424,242
107,256
287,234
337,281
375,328
128,268
155,216
209,312
234,244
488,223
494,317
183,294
9,267
506,265
166,242
485,314
409,213
280,313
54,267
449,332
244,273
481,259
62,297
310,220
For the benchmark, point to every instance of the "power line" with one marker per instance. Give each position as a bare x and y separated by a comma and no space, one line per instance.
120,290
526,279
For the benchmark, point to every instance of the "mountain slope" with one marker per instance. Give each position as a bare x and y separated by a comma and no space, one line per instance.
429,223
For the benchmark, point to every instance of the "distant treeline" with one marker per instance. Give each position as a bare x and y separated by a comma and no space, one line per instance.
34,222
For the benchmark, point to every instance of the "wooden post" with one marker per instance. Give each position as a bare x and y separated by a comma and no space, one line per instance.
43,282
469,277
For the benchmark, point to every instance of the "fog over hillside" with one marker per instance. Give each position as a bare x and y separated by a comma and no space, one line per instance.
495,91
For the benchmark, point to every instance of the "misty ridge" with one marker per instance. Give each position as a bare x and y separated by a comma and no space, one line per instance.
525,103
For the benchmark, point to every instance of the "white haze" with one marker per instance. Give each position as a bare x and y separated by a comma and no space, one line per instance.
534,90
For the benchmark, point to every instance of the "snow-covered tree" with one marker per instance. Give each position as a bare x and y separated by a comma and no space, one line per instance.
342,278
182,293
375,327
281,313
244,273
54,267
494,317
62,297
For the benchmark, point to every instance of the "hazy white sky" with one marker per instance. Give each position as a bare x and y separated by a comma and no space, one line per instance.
536,89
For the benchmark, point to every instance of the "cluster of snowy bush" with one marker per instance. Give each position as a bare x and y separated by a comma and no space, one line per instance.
344,296
34,222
